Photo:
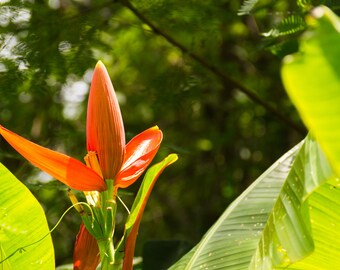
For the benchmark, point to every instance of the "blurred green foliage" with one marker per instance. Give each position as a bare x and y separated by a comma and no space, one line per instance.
181,65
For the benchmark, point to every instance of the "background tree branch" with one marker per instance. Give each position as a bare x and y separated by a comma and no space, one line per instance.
215,70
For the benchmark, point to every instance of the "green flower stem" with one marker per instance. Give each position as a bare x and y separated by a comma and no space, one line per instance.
107,254
106,247
109,208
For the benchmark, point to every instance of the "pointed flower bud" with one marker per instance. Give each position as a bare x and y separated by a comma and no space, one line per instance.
104,125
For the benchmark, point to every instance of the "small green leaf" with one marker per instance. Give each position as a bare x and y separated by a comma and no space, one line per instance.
288,26
145,189
22,226
132,224
247,6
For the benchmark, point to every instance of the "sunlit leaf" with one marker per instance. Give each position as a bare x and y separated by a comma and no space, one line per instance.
291,233
22,225
231,241
312,80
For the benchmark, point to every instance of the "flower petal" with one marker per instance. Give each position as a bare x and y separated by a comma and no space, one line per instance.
86,252
64,168
139,153
104,125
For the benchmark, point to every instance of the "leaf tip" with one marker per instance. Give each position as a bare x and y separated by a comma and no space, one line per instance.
173,158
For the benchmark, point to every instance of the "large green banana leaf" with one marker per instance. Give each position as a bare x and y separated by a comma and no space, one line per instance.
287,219
302,222
232,240
25,242
312,80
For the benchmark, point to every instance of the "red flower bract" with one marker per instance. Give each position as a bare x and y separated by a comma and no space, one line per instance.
86,252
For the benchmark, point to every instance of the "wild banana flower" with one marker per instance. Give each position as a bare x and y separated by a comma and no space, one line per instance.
110,164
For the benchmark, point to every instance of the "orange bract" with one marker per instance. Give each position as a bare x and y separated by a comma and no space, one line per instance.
139,153
86,251
64,168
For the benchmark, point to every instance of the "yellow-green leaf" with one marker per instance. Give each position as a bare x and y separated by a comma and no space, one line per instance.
312,80
22,225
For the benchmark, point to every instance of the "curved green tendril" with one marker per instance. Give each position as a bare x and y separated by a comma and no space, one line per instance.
121,201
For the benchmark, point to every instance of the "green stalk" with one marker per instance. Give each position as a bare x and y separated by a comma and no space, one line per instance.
106,247
109,208
107,254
